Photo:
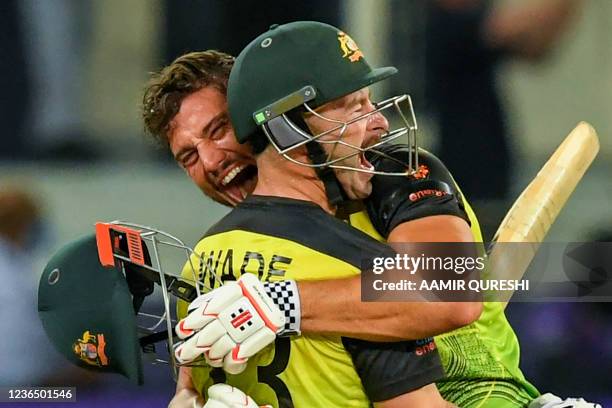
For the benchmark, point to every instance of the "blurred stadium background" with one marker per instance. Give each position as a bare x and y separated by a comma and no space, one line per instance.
72,80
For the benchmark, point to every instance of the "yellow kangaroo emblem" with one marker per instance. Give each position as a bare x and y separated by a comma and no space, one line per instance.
349,47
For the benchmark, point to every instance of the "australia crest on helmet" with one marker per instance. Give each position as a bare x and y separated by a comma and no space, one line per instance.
349,47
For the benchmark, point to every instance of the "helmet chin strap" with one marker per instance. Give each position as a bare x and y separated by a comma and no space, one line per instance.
334,191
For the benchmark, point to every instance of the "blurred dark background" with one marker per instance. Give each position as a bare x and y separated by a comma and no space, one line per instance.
496,84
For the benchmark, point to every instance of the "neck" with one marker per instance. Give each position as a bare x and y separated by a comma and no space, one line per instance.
278,177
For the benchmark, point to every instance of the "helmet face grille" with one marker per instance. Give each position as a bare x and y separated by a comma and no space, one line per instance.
92,297
286,136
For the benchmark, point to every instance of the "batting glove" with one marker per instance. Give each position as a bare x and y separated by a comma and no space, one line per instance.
186,398
229,324
226,396
552,401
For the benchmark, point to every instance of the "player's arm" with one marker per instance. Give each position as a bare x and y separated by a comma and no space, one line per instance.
334,306
402,210
186,395
344,312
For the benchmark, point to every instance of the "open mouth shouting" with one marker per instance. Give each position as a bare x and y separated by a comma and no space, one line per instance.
364,163
237,182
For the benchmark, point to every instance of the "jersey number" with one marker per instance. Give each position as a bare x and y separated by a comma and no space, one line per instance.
269,374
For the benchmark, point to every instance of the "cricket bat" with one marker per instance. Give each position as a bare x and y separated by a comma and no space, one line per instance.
537,207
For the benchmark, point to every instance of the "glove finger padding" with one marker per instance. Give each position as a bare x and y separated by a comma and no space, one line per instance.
226,396
254,344
206,308
218,363
186,398
236,360
188,351
229,325
221,347
210,334
232,366
202,343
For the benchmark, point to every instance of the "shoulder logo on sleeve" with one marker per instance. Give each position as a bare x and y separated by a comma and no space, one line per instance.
417,195
349,47
425,346
90,349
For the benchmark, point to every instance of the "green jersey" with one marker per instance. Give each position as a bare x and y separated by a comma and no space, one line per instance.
481,360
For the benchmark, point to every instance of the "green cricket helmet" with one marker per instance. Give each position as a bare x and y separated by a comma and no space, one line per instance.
91,293
87,313
300,66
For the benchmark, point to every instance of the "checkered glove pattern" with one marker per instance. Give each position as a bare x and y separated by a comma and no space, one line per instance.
285,295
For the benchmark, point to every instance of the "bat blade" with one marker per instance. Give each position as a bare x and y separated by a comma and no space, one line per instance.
535,210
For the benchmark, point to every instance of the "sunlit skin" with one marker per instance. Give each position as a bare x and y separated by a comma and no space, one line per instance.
202,142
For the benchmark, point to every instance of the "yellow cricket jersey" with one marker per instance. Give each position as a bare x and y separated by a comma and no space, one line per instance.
277,239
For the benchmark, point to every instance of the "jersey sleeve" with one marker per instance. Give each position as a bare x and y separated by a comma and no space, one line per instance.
395,200
388,370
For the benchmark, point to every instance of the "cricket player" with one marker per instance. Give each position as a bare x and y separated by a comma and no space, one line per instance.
302,370
185,106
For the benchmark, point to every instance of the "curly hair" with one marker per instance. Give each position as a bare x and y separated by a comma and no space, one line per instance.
185,75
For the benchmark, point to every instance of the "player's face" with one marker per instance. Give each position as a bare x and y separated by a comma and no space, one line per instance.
362,133
202,142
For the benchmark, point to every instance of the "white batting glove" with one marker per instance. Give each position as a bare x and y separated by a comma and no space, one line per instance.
229,324
552,401
186,398
226,396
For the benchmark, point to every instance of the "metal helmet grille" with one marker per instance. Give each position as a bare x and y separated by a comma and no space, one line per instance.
286,136
173,285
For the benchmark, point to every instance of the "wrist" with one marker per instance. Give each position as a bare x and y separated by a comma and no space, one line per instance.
285,296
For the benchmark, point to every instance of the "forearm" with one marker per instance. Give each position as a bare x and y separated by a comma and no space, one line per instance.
335,307
186,393
427,396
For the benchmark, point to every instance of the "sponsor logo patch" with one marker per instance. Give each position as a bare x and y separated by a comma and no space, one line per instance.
425,193
425,346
